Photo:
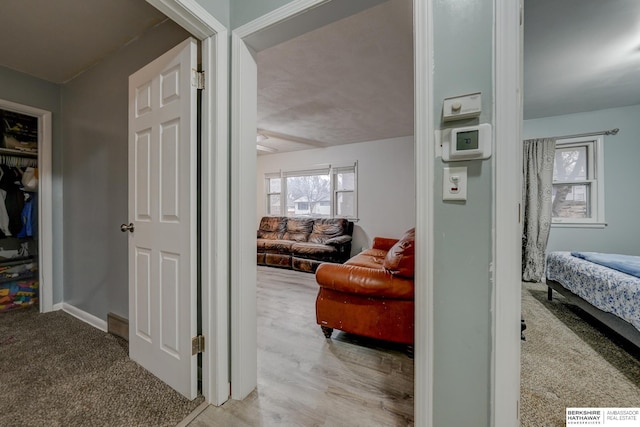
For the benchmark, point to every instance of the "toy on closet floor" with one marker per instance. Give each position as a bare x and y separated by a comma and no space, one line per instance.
19,294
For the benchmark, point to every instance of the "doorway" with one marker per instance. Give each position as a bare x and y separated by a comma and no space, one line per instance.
244,204
213,185
41,242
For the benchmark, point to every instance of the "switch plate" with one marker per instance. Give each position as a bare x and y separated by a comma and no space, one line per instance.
454,183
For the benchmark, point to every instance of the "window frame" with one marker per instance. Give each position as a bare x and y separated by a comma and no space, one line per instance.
268,193
331,170
594,180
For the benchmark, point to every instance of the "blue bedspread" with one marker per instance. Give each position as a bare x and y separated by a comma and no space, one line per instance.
608,289
625,263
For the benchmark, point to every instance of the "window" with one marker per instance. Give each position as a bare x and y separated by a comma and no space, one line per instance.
273,195
578,182
322,192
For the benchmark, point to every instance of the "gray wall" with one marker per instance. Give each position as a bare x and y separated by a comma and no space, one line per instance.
218,8
27,90
244,11
94,150
462,230
621,175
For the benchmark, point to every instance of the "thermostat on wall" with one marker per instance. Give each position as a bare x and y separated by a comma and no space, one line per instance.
467,143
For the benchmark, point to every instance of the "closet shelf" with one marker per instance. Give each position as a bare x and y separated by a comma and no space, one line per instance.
14,270
27,275
17,260
18,153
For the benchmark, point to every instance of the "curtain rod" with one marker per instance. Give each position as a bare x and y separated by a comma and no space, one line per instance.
580,135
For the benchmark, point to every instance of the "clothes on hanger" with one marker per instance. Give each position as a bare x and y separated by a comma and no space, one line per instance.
10,181
27,217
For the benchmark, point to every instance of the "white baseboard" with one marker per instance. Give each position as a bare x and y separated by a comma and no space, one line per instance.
84,316
57,306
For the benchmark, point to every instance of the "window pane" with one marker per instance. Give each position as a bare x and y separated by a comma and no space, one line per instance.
274,204
306,194
346,181
571,201
274,185
570,164
345,204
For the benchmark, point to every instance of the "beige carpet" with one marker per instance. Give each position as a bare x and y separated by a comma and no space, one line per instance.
567,362
56,370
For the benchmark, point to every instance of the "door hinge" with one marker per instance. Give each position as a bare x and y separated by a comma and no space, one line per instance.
197,345
198,79
521,14
519,213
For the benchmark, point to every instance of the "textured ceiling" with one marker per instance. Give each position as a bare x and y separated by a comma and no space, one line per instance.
346,82
56,40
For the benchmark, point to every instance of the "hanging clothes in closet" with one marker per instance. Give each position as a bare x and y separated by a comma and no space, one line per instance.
19,278
18,188
19,286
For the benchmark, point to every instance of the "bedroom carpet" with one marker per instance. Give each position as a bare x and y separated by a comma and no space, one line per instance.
56,370
567,362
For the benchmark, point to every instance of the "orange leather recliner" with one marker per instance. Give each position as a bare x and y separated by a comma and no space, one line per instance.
372,294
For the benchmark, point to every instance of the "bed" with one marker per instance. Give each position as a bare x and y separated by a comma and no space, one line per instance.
608,294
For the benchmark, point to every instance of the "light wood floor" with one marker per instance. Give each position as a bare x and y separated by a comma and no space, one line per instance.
306,380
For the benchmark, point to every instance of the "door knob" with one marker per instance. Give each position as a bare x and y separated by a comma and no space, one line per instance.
125,227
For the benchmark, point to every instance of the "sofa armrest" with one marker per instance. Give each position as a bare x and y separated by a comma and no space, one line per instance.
383,243
338,240
364,281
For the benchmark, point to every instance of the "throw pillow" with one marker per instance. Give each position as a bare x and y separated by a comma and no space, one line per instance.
400,258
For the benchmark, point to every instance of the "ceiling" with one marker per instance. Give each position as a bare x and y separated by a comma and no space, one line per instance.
580,55
57,40
352,80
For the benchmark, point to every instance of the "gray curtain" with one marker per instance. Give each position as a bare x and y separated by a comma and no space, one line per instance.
537,193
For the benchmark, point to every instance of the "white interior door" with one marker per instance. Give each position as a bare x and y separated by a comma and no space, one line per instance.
162,215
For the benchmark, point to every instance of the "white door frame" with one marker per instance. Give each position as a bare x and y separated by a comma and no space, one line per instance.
45,201
507,190
425,160
243,122
214,184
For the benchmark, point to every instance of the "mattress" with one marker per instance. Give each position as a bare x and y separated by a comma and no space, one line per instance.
609,290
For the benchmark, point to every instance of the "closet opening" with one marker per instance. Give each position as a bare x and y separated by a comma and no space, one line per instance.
25,208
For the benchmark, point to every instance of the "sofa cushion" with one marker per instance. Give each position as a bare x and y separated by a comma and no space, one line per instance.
278,246
370,258
328,228
400,258
272,227
298,229
312,250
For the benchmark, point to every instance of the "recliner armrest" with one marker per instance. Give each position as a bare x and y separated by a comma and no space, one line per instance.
339,240
364,281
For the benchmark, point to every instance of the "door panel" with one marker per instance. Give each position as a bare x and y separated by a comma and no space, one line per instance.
162,207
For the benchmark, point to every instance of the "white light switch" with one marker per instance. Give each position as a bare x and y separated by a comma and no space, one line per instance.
454,183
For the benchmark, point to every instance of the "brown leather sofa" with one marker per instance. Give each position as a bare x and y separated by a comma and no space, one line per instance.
372,294
302,243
